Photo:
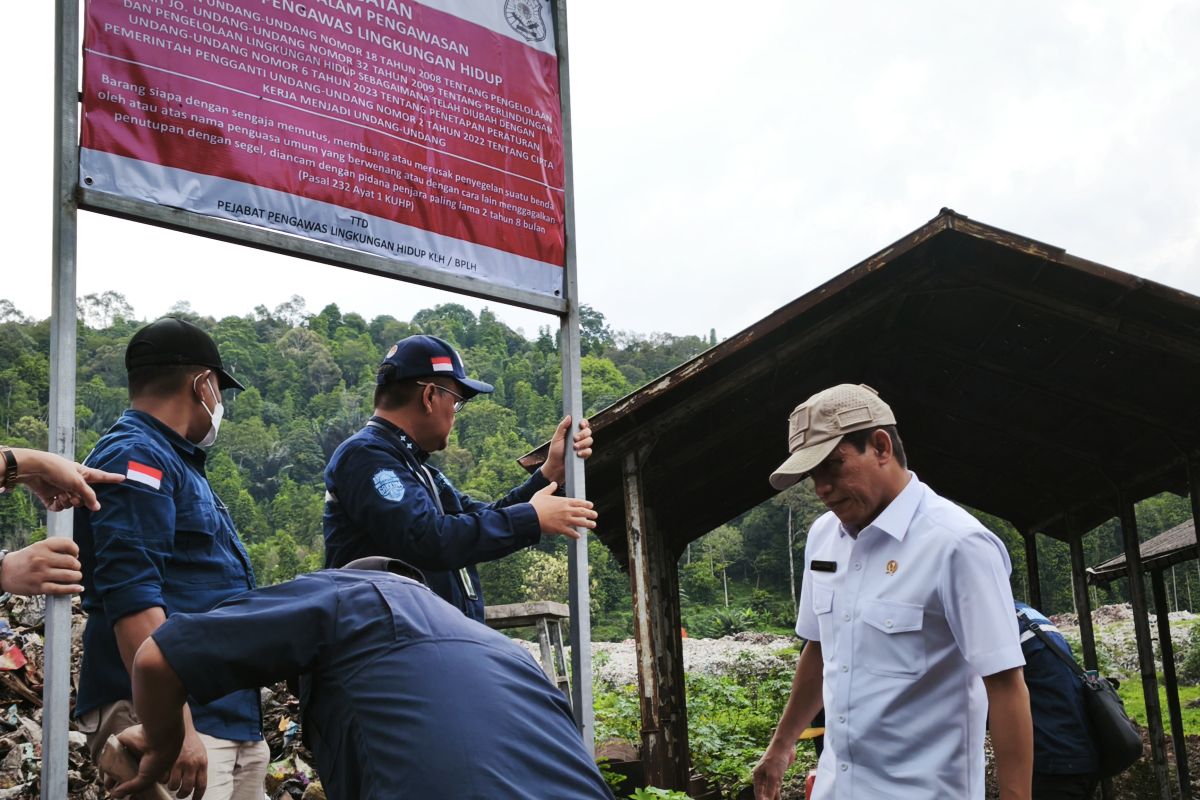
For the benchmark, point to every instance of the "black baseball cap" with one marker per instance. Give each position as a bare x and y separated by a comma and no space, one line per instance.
176,342
424,356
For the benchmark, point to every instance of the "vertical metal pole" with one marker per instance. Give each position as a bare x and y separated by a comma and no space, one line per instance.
1167,649
1083,603
578,575
1145,647
1034,587
56,694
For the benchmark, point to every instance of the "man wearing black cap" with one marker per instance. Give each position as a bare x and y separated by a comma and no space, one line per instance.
163,543
383,499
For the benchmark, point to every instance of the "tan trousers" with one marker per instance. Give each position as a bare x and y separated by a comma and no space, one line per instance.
236,770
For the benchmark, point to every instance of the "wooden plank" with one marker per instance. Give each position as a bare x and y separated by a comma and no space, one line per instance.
1145,647
653,578
519,615
1171,684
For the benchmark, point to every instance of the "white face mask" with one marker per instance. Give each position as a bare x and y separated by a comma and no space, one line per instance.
215,416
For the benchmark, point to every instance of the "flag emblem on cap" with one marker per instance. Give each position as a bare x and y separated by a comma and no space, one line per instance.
441,364
392,352
140,473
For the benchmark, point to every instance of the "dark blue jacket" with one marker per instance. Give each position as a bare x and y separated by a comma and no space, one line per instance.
160,539
1062,742
402,696
380,502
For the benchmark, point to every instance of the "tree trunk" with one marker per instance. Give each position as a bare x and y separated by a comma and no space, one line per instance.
725,580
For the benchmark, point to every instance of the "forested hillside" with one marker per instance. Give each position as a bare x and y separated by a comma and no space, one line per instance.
310,379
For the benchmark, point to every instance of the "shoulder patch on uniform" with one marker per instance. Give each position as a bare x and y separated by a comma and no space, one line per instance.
144,474
389,485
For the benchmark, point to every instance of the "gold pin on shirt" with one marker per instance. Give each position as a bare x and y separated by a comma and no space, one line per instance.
892,566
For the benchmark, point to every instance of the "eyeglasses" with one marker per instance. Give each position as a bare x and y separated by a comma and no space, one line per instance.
458,404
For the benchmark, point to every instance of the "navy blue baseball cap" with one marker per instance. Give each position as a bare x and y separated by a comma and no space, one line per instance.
424,356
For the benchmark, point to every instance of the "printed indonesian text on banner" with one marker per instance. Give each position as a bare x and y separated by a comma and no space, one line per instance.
427,132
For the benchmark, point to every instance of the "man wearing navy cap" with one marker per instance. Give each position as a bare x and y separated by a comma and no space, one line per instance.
162,543
383,499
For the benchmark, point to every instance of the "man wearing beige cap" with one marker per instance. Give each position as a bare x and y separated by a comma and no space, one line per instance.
906,608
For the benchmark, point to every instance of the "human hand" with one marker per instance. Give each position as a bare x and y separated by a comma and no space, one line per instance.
562,515
555,468
59,483
768,773
124,778
189,775
50,566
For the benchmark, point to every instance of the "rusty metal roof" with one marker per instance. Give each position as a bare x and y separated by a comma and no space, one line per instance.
1172,546
1028,383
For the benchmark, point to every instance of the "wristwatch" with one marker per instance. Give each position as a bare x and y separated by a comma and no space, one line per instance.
10,469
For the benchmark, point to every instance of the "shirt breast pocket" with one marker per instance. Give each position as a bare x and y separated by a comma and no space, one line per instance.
197,532
822,606
893,642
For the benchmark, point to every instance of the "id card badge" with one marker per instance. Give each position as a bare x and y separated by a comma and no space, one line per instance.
468,585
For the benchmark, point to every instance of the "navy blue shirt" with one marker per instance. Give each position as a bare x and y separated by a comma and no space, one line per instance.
380,502
1062,742
160,539
402,696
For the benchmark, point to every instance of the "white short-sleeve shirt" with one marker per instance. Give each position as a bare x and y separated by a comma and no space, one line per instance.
910,614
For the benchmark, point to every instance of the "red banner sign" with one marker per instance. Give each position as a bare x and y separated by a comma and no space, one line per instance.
428,132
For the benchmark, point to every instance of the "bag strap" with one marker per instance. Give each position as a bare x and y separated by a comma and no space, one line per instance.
1053,646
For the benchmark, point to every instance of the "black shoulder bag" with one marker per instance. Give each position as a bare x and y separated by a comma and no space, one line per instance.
1118,741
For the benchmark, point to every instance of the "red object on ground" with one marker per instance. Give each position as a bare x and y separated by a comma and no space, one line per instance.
808,783
11,658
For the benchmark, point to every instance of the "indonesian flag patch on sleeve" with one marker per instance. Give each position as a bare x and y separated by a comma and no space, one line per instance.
143,474
441,364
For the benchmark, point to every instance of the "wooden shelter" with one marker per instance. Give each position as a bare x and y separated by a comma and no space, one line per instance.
1033,385
1164,551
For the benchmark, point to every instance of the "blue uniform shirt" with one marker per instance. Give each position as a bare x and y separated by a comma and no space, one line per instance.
380,502
161,538
403,696
1062,742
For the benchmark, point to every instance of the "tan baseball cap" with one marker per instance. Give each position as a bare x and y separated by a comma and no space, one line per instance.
819,423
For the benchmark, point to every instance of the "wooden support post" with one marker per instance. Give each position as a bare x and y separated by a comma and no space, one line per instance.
1179,744
1145,647
1083,601
1083,606
1193,471
1031,571
654,579
549,665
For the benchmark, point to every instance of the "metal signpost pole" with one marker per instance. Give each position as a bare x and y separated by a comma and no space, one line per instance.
57,667
581,623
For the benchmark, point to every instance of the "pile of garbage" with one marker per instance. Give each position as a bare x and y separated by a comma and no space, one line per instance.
291,775
22,622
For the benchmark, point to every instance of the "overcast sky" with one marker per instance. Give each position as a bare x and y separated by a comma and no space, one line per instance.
730,157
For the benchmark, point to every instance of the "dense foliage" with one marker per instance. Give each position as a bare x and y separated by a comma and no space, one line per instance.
310,379
730,717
